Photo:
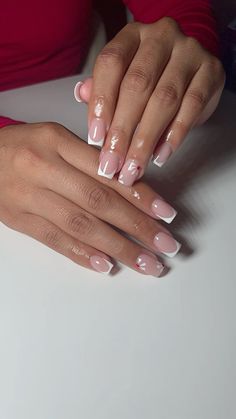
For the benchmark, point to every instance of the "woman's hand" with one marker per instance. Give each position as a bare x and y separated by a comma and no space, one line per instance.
151,84
50,190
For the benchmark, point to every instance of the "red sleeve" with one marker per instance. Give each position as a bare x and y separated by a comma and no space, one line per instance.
195,17
4,121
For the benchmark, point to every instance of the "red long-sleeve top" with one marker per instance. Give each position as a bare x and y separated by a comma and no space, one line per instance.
46,40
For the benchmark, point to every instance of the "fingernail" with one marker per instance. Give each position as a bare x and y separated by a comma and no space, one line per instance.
163,154
109,164
129,173
97,132
163,210
149,265
100,264
166,244
77,91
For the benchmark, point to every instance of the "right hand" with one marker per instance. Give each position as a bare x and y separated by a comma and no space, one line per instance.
50,190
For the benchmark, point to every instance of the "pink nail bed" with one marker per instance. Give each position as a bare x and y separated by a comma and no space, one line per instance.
163,154
164,211
149,265
166,244
97,132
109,164
129,172
77,91
100,264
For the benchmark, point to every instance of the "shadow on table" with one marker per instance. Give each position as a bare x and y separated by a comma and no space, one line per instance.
210,151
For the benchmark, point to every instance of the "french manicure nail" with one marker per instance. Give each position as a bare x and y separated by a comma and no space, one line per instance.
77,91
100,264
164,211
149,265
129,172
163,154
166,244
109,164
97,132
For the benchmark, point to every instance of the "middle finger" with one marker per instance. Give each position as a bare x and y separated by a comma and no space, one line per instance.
109,206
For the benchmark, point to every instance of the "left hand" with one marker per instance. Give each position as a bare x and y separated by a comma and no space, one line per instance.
151,84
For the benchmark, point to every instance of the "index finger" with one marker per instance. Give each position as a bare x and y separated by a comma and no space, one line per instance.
109,70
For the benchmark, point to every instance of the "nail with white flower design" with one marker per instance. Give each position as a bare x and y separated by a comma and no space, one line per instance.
149,265
130,172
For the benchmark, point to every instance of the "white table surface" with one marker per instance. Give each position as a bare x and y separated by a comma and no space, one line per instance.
76,346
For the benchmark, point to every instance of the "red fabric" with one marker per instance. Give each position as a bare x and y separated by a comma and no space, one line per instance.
47,40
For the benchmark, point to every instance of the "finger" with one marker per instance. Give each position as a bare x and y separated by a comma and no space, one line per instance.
89,230
109,69
52,236
202,94
82,90
142,196
160,110
110,207
136,88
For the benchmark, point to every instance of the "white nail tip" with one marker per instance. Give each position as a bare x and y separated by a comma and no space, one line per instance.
172,254
160,268
158,163
78,98
97,143
102,173
110,266
168,220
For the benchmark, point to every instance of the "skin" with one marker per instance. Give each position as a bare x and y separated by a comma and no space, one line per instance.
50,191
154,84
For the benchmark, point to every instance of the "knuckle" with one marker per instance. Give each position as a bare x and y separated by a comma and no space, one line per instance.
25,157
216,68
167,94
197,97
99,198
142,225
111,55
51,132
79,223
118,248
191,44
168,23
50,127
52,238
136,80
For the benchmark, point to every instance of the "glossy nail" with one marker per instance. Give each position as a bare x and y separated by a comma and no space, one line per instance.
97,132
109,164
129,173
100,264
77,91
163,153
166,244
164,211
149,265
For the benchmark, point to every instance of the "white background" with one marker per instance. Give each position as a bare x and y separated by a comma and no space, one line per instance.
73,345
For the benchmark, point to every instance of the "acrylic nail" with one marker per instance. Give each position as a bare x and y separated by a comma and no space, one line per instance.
166,244
100,264
163,153
77,91
149,265
109,164
164,211
97,132
129,172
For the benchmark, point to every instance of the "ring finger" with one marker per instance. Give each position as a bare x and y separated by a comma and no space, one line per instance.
86,228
